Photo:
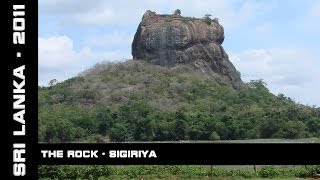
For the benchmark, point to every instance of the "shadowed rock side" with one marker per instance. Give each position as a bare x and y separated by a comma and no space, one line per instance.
168,40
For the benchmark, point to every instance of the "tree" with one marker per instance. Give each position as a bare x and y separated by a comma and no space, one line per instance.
60,130
53,82
177,12
207,18
162,131
214,136
179,129
258,84
120,132
314,126
65,130
232,129
294,129
269,127
143,130
179,126
49,132
103,119
194,132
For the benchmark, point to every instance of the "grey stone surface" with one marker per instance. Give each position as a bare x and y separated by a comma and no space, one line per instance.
170,40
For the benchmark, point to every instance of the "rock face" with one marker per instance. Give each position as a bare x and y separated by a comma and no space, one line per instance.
169,40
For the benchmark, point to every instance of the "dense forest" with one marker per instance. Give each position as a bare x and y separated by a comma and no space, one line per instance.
136,101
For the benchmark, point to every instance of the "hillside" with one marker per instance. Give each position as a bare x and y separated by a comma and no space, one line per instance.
138,101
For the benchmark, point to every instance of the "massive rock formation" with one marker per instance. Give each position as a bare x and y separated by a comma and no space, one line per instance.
169,40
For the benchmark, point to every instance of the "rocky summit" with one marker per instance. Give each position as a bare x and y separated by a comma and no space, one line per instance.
169,40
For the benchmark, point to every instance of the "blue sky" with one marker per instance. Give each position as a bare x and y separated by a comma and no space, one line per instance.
275,40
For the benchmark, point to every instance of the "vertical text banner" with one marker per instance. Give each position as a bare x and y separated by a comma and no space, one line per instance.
22,84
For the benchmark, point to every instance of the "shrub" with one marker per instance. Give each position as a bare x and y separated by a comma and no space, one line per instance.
73,172
269,172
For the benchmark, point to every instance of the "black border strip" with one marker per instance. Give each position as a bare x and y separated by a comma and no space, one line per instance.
191,154
29,58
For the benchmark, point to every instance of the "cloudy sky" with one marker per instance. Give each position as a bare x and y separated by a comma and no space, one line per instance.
275,40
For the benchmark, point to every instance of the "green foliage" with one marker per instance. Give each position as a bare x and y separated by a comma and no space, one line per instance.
313,125
53,82
73,172
269,172
235,173
180,172
120,132
136,101
214,136
294,130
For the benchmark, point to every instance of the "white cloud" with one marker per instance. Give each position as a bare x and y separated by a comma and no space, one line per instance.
59,60
288,71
